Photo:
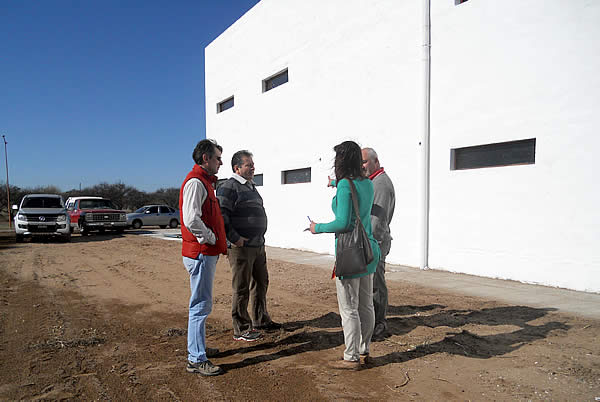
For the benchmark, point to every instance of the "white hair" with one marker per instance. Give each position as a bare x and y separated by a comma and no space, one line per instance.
371,153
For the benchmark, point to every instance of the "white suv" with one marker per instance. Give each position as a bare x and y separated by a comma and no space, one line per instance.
42,215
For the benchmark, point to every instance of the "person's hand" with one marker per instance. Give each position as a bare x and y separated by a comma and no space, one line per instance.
312,227
329,182
240,242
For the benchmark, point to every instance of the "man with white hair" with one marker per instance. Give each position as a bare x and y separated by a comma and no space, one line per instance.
381,217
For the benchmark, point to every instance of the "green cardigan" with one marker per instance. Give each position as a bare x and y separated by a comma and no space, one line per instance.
344,215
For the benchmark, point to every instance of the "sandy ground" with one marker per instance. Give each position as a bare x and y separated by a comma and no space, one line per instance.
105,318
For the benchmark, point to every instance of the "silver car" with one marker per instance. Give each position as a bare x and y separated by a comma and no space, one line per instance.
42,215
154,215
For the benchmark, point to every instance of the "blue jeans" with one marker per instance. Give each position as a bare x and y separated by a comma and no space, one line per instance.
202,275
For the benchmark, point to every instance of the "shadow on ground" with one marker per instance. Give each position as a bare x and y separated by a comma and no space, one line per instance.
462,343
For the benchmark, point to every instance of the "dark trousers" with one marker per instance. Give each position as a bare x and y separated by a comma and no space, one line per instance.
250,278
380,291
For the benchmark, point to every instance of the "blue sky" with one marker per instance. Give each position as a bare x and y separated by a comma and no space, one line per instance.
105,91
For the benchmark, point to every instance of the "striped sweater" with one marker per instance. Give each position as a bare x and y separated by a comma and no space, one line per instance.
243,212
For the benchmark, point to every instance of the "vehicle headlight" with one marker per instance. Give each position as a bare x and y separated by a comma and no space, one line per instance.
21,217
123,217
61,218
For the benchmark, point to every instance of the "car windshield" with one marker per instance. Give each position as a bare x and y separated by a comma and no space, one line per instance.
93,204
42,202
141,210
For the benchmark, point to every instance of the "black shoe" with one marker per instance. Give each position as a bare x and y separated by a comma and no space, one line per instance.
380,331
272,326
204,368
247,336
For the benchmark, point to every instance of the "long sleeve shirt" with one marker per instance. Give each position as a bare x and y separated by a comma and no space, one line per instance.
243,211
383,206
194,195
344,214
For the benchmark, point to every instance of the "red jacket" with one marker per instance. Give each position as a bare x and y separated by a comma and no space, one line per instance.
211,216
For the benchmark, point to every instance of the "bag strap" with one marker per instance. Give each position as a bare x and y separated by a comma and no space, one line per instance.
354,200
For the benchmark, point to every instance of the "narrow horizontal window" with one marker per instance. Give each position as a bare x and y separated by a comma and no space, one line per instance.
275,80
224,105
295,176
509,153
258,179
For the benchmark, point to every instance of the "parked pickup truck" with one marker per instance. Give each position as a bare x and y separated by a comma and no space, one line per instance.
95,214
41,215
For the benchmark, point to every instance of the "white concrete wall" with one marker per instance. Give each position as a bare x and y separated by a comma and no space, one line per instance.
500,71
510,70
352,69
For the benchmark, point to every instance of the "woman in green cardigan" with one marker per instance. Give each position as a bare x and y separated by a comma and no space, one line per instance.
354,293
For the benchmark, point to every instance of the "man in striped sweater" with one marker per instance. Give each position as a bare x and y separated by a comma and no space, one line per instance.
245,225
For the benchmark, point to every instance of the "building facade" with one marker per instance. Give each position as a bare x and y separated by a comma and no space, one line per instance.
515,97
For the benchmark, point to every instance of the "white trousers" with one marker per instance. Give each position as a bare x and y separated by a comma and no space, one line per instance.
355,301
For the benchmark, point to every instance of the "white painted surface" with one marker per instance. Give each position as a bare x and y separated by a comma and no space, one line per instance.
500,71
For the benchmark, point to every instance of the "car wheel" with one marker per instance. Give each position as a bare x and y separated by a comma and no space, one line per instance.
173,224
19,238
136,224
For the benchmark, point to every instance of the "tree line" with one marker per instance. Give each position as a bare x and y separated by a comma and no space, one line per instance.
124,196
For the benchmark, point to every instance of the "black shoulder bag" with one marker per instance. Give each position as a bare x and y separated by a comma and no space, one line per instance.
353,251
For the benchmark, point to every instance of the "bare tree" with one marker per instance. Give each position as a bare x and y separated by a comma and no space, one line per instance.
167,196
124,196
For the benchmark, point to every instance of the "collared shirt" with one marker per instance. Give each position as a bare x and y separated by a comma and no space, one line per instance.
194,195
243,180
376,173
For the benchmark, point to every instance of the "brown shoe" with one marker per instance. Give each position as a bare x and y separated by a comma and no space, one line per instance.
365,360
344,365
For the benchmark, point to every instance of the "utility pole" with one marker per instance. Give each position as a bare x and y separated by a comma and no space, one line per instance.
7,185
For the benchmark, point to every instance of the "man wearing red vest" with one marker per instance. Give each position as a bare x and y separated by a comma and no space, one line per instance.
203,234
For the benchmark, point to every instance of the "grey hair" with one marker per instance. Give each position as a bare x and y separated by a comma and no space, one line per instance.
371,153
206,147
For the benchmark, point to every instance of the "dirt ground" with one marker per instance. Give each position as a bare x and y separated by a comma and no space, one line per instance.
105,318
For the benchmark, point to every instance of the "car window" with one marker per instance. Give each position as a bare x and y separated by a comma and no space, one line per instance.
165,210
140,210
42,202
91,204
153,210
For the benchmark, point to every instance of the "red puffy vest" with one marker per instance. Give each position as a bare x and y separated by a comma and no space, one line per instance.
211,216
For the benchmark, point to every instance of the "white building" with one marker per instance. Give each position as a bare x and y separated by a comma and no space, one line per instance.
501,72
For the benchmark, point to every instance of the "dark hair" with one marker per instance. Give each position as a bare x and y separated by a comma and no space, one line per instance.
348,161
205,147
236,159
